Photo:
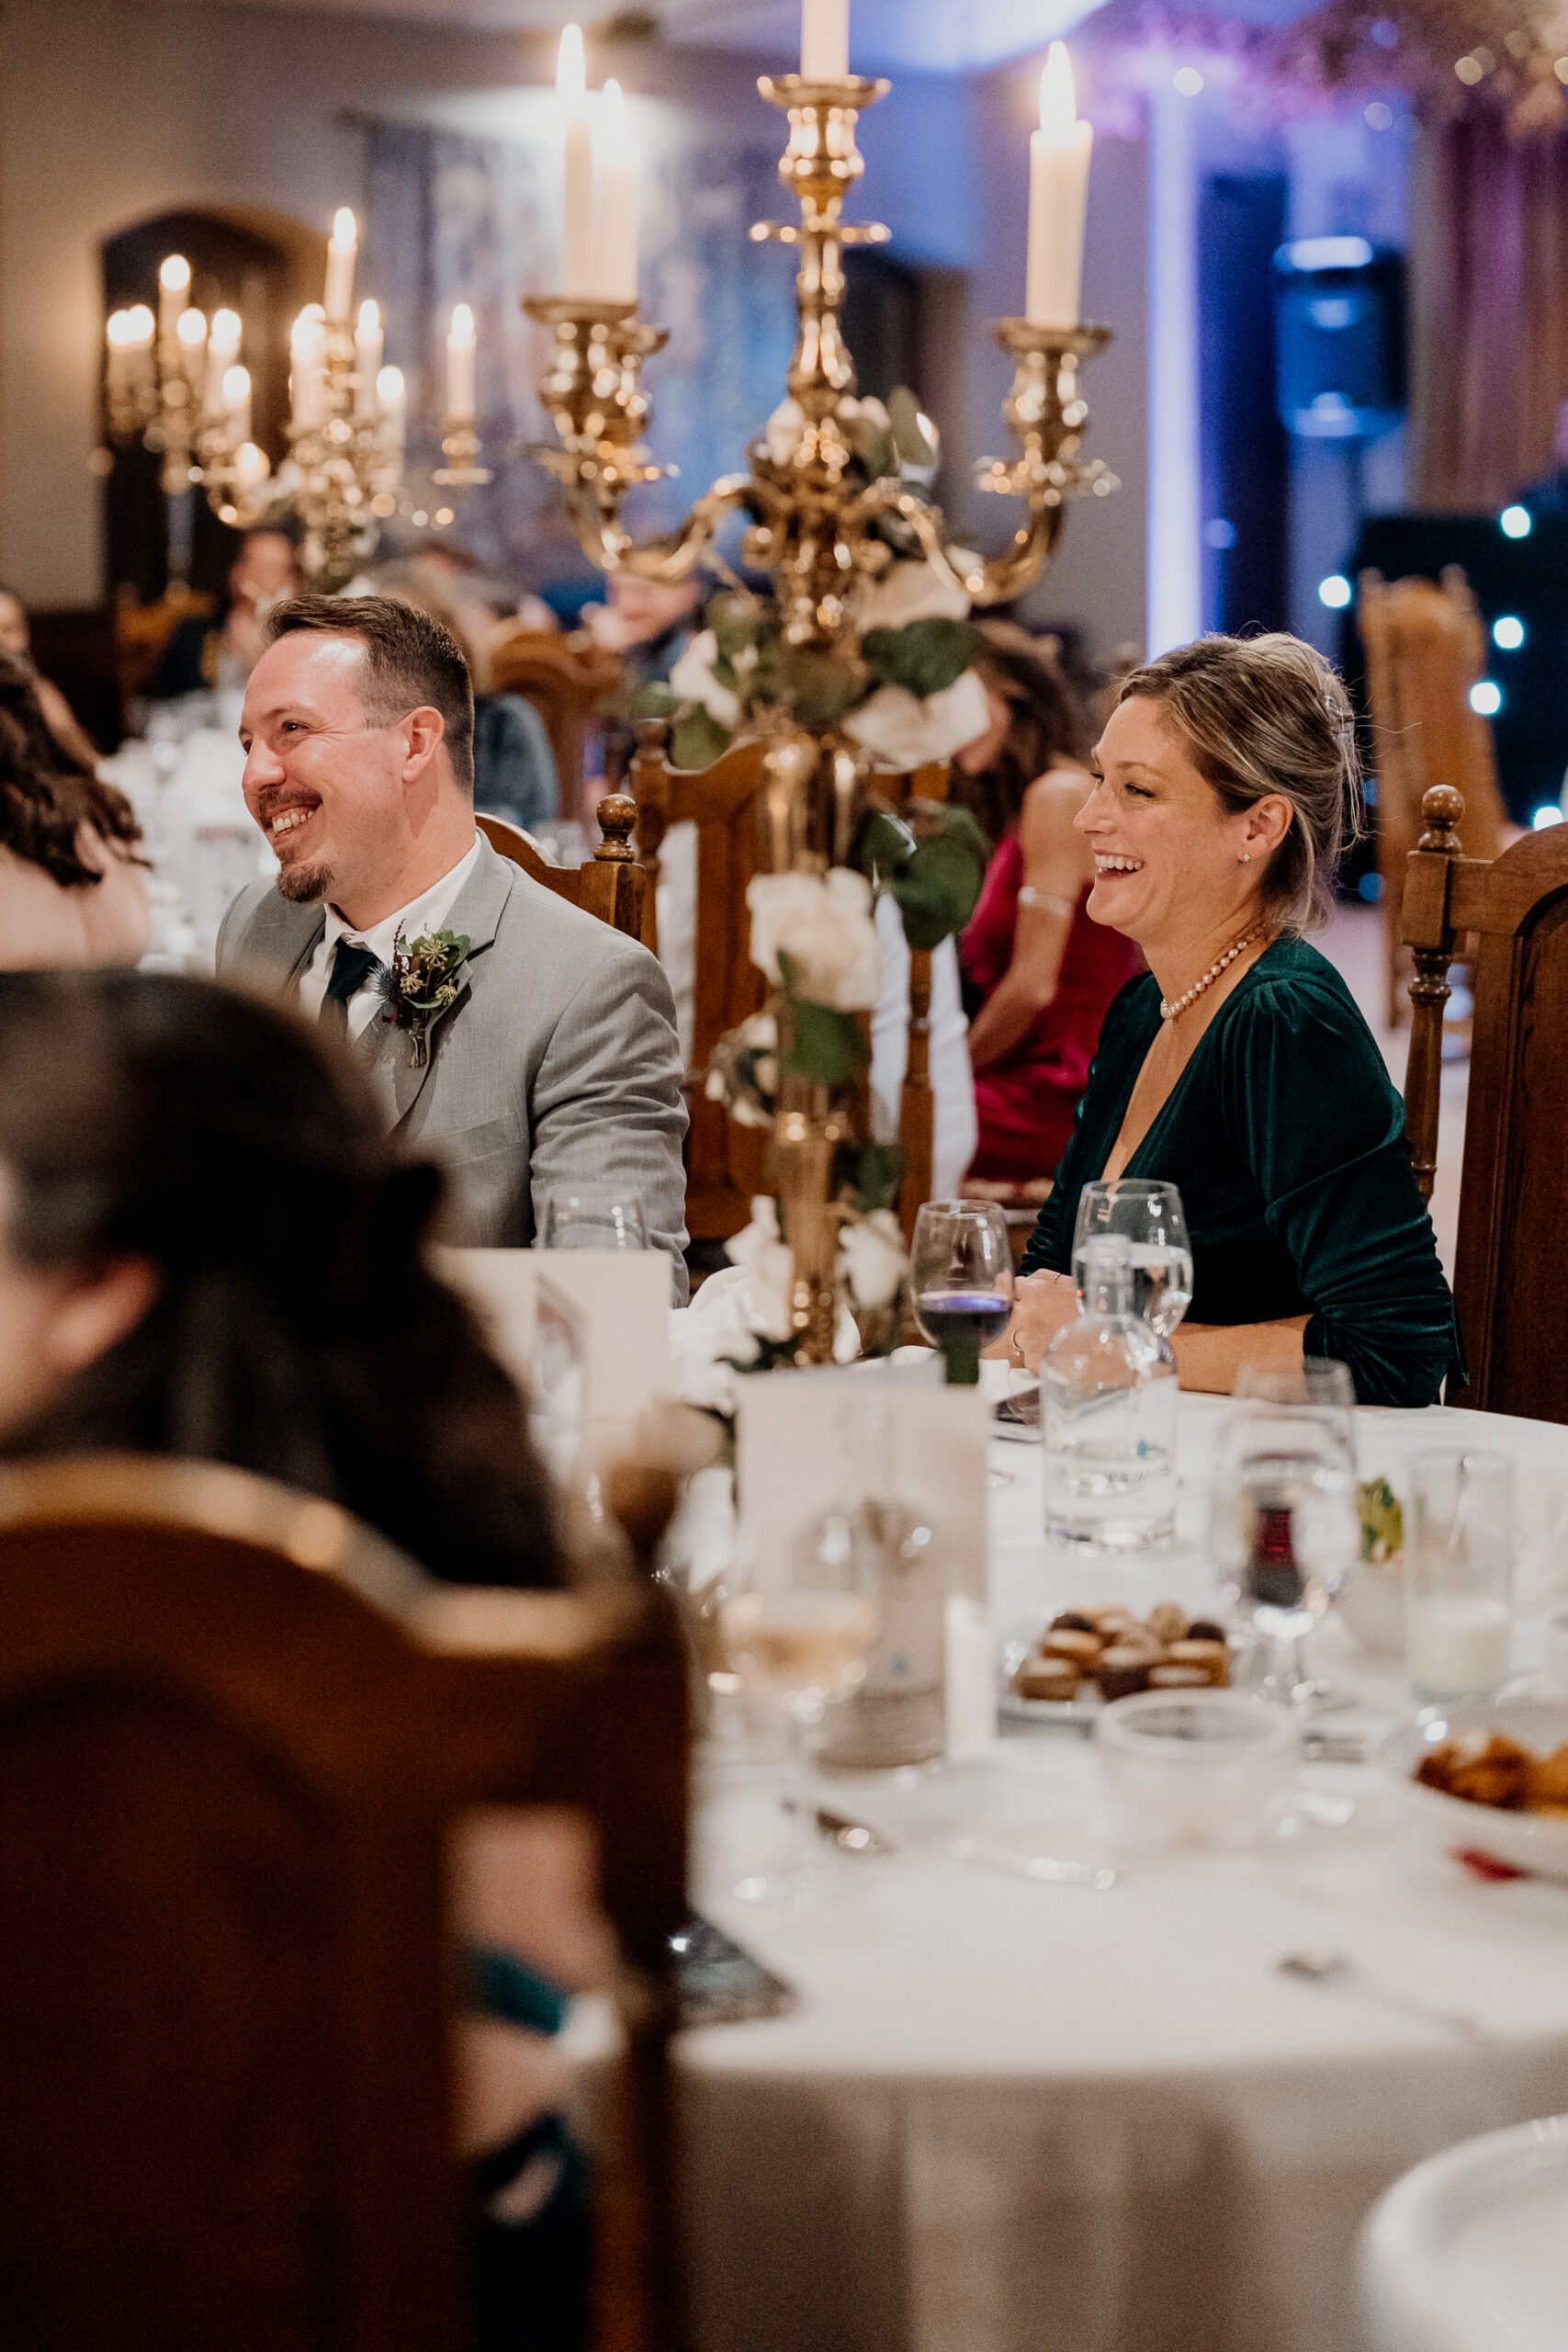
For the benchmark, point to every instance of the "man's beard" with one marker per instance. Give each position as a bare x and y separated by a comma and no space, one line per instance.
303,885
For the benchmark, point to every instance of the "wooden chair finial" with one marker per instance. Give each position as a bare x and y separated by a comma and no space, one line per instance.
1442,809
618,815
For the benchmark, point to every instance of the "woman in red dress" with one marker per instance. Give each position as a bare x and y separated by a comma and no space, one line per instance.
1038,975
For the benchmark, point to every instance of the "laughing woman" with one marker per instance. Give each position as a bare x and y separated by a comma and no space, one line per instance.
1238,1067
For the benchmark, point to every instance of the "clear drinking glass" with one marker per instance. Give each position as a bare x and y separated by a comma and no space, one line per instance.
1284,1526
1151,1216
961,1280
578,1224
1459,1556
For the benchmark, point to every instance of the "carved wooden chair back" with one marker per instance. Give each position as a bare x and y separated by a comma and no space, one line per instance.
611,884
1426,649
565,679
235,1727
1514,1182
726,1164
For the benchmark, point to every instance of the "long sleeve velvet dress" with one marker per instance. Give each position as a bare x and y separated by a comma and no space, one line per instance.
1286,1137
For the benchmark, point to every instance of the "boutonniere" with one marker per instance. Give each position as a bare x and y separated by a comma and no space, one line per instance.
425,976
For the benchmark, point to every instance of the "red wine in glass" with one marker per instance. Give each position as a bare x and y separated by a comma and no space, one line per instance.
962,1322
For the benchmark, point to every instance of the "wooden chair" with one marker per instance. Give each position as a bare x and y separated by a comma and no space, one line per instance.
565,679
726,1164
236,1727
612,885
1426,649
1513,1182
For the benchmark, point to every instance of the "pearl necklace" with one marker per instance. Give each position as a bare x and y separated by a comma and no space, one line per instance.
1168,1011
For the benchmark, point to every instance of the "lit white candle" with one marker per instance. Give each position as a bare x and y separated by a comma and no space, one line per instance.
307,355
139,328
173,285
190,329
824,41
577,193
1058,197
117,336
237,403
367,342
460,344
392,395
222,352
251,465
339,297
620,164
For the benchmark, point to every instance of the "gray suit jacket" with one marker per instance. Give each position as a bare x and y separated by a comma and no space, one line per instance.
557,1070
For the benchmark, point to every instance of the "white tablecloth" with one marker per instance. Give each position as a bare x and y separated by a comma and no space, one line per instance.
1008,2115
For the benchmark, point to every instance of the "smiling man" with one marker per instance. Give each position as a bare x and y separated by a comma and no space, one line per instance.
553,1069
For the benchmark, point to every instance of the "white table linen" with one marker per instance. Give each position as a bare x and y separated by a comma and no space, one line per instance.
1010,2115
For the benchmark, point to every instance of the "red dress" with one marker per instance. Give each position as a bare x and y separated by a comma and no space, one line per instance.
1025,1101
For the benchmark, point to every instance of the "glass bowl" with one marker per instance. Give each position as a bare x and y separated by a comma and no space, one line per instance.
1206,1764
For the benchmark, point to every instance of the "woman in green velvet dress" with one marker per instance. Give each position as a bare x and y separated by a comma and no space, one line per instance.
1238,1067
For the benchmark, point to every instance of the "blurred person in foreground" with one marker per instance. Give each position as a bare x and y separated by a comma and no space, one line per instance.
1238,1068
16,636
514,768
1038,973
73,885
212,655
528,1047
208,1249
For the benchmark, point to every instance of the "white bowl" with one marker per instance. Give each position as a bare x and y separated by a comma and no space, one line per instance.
1469,2252
1206,1763
1530,1841
1370,1599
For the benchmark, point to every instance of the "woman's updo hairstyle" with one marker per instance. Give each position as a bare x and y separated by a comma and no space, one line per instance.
1263,714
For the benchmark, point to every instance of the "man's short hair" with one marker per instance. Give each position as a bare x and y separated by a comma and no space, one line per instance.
409,659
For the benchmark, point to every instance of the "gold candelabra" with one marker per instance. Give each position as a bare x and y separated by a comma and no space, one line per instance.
814,528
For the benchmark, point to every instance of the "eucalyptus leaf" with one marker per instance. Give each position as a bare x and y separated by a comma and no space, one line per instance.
655,700
818,688
698,739
926,656
936,891
903,414
870,1173
827,1046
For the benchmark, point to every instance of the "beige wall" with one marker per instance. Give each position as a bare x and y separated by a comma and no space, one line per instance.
112,112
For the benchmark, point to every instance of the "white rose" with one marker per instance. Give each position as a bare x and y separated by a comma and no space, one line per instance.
904,732
911,592
768,1265
824,924
782,431
873,1260
693,680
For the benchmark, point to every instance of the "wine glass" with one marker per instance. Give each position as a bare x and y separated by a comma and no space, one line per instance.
578,1224
1151,1216
961,1280
801,1643
1284,1526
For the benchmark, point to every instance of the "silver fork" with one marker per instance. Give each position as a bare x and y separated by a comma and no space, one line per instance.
1046,1868
1339,1968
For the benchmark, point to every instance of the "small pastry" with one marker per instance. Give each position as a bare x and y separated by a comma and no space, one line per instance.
1121,1670
1047,1678
1072,1621
1179,1678
1547,1782
1204,1629
1214,1658
1167,1620
1114,1614
1079,1650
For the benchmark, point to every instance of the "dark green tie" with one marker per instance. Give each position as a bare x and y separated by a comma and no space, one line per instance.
352,965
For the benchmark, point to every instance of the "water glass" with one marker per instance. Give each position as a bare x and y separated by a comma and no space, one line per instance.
1459,1551
1284,1523
577,1224
1151,1216
961,1280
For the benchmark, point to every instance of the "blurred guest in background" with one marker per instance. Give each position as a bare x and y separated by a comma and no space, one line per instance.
1038,973
16,636
212,655
73,887
649,623
514,768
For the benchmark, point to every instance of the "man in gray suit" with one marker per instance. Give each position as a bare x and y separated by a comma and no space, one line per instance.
553,1073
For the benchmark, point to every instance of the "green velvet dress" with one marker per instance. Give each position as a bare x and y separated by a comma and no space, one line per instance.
1286,1138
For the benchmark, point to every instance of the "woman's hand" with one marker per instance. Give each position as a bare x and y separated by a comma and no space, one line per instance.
1041,1305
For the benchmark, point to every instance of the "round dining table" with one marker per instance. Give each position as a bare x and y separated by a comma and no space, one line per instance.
1007,2115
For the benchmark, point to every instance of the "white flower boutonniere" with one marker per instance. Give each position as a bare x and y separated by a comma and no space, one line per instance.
425,979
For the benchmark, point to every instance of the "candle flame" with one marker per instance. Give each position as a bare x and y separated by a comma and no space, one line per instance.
462,324
390,386
571,73
173,274
226,330
236,384
119,330
615,105
1058,100
191,328
346,235
139,324
306,331
369,317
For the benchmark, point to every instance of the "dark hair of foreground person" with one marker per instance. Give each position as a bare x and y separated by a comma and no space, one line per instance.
296,1329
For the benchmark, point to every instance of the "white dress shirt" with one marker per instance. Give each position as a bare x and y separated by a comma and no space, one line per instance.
416,921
